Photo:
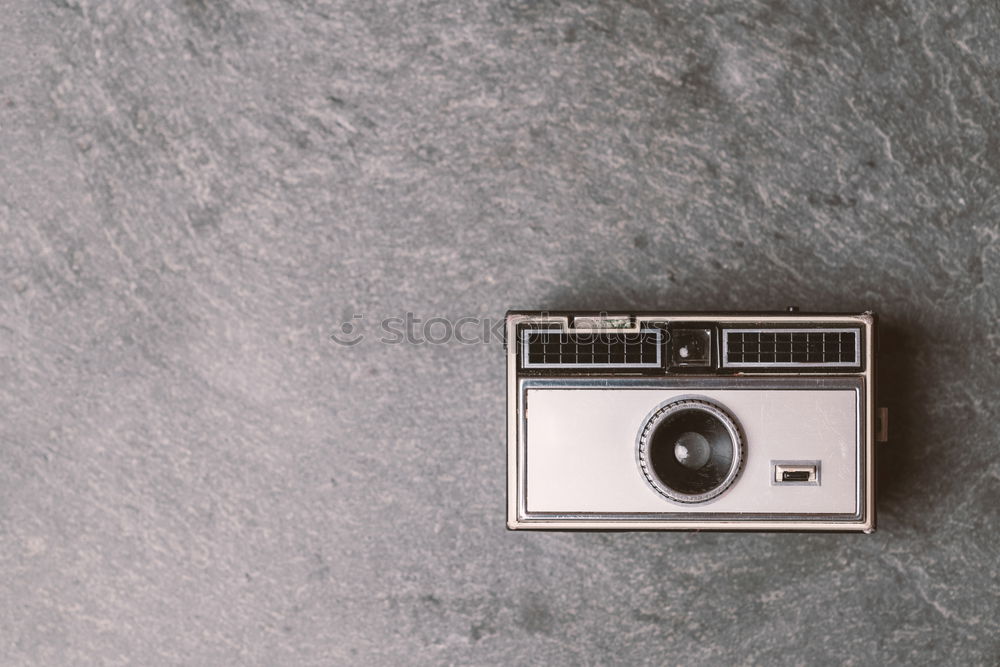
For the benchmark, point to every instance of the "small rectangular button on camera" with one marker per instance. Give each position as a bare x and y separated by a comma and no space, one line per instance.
795,472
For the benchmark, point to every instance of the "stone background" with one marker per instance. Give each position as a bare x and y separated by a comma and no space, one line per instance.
195,194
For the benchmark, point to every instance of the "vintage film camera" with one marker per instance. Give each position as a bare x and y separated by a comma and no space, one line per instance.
691,421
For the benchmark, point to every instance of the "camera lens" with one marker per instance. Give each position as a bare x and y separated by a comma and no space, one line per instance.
690,450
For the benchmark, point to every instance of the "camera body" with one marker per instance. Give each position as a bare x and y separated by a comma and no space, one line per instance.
691,421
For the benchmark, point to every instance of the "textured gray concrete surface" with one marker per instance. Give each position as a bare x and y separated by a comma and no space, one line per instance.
195,194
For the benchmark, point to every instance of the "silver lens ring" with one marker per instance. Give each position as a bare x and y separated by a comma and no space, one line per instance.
696,476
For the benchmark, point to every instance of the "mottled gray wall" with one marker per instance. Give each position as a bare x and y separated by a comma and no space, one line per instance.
194,194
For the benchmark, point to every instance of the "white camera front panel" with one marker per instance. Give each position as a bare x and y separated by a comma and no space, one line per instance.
579,449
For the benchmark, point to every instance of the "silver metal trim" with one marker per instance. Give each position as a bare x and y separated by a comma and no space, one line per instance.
681,519
607,322
791,364
591,332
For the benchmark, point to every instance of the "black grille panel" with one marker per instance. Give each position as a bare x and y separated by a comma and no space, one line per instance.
791,347
554,348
